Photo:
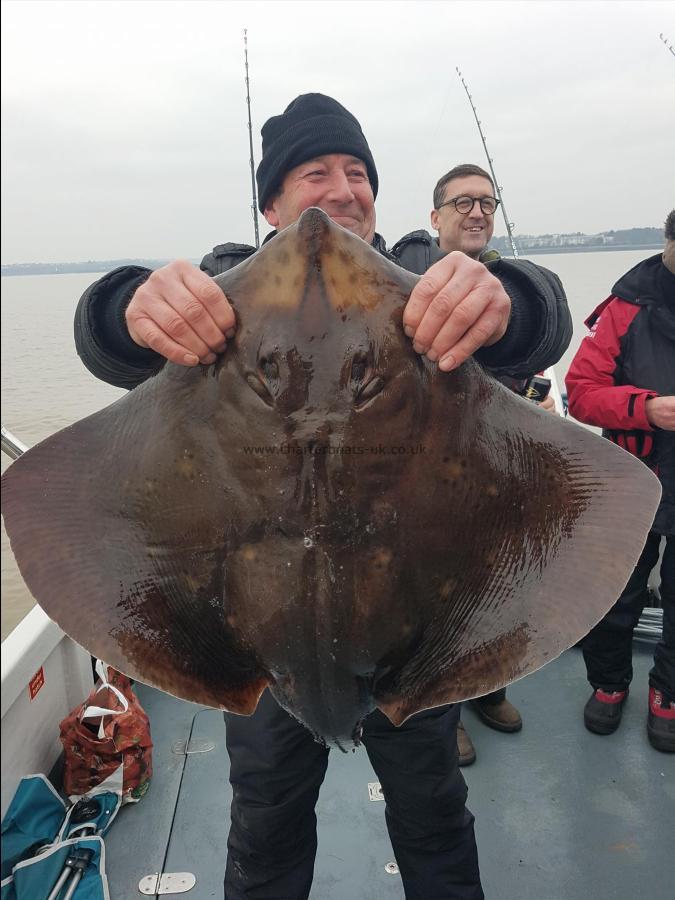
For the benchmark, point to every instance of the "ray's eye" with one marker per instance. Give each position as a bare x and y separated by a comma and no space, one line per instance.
365,383
265,382
360,368
260,388
369,390
269,369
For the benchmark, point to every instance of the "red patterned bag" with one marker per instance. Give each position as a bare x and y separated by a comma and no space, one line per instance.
106,741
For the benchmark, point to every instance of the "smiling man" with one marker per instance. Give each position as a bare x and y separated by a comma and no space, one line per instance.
463,215
338,181
131,321
464,210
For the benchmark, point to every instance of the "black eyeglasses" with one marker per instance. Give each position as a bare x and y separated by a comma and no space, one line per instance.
464,205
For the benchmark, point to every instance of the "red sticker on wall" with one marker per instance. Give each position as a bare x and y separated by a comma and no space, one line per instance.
36,683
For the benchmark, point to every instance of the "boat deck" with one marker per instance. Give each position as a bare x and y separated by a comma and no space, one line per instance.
560,813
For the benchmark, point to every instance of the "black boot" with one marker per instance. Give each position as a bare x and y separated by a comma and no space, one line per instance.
602,713
660,722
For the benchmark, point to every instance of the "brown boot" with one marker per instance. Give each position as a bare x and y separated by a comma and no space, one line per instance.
502,716
467,753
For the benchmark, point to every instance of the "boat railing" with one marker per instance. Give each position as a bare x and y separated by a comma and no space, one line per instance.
44,674
11,445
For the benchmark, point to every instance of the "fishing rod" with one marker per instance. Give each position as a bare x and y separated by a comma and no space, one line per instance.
509,225
254,203
664,40
550,372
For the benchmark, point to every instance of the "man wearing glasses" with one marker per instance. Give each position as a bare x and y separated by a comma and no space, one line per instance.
464,210
464,217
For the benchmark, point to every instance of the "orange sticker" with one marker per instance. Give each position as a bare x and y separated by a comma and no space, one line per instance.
36,683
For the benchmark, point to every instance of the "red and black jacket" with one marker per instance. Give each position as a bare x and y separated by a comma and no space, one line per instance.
629,357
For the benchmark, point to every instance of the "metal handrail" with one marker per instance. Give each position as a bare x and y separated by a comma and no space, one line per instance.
11,445
650,626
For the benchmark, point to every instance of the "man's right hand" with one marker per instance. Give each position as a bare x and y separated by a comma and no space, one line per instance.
182,314
661,412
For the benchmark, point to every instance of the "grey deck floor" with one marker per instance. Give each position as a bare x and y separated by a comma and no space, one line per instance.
560,813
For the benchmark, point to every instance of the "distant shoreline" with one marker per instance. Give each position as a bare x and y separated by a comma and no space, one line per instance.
76,268
110,264
601,248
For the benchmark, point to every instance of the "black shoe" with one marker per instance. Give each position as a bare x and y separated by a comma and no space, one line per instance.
661,722
602,713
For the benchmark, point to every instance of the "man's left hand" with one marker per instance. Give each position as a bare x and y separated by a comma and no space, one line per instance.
456,307
548,403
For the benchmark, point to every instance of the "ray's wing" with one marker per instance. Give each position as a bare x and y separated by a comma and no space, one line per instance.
471,566
532,528
120,525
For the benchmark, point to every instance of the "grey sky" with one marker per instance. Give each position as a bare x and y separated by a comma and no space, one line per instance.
124,123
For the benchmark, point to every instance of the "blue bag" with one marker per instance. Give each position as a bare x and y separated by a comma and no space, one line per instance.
40,842
33,819
33,879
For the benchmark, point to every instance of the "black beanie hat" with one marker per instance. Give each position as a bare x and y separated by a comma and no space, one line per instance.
312,125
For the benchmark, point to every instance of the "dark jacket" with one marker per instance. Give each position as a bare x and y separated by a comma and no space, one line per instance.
538,332
628,357
539,310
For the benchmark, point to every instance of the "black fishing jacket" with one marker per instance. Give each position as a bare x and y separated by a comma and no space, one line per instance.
551,328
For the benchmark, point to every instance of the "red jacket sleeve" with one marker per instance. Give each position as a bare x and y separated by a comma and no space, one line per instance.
592,395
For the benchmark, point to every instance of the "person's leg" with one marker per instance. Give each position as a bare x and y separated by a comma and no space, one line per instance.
661,719
431,829
608,648
494,697
276,771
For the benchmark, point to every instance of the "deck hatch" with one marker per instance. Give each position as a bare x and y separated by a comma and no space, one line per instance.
167,883
186,748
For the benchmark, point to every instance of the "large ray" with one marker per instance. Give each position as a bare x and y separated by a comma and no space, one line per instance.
323,512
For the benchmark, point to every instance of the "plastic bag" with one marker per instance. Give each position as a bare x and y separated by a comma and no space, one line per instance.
106,741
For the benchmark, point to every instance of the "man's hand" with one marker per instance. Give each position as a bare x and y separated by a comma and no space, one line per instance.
661,412
182,314
454,309
548,403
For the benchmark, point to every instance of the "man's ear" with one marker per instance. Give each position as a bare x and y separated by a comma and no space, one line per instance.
669,256
434,219
271,215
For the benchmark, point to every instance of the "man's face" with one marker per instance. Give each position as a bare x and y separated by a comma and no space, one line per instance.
469,233
336,183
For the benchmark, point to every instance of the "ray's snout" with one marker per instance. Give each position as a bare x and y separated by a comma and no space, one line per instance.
314,224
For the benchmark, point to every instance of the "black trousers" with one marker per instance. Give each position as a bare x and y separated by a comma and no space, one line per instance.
608,648
276,772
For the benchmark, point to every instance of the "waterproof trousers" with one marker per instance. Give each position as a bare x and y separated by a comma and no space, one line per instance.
608,648
276,772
